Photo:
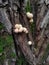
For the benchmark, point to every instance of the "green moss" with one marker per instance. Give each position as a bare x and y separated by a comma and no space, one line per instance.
13,55
2,43
6,43
2,58
21,61
9,39
1,26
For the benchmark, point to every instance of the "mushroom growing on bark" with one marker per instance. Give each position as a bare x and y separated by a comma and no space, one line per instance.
29,43
19,28
29,15
25,30
31,21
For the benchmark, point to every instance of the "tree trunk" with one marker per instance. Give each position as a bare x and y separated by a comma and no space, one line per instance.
40,35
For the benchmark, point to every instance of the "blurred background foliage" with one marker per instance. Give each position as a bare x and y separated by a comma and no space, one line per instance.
6,45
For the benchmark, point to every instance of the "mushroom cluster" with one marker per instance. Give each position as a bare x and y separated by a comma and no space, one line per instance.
30,17
19,28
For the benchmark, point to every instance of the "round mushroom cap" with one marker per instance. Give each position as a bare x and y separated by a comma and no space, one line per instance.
18,26
29,43
20,29
31,21
29,15
25,30
16,30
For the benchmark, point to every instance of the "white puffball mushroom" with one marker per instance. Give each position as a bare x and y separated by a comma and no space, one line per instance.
20,29
25,30
29,43
29,15
31,21
18,26
16,30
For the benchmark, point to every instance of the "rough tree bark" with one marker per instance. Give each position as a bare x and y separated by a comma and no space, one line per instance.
13,12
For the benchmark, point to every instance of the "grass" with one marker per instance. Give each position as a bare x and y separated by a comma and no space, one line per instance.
1,26
28,8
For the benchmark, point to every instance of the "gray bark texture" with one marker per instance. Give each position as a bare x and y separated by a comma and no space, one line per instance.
13,12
